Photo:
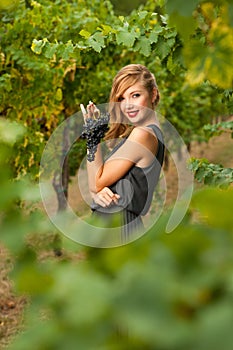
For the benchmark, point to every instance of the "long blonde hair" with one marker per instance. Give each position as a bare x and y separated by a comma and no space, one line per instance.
126,77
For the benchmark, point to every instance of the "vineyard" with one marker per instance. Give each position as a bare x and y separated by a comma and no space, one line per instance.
165,290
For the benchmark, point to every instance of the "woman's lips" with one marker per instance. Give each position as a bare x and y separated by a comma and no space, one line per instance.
132,114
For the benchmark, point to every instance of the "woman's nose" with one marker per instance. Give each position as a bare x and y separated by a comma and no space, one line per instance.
128,103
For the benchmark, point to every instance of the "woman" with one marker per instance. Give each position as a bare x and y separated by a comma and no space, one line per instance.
124,182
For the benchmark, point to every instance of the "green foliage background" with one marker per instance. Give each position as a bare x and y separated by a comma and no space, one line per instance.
56,55
164,291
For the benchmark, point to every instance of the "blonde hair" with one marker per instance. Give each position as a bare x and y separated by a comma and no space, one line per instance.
126,77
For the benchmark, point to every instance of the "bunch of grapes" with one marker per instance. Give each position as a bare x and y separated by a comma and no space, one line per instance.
93,131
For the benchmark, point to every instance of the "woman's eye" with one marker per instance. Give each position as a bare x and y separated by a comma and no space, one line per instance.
136,95
120,99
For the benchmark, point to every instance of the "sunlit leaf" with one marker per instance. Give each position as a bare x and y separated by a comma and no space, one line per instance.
85,33
37,45
59,94
106,29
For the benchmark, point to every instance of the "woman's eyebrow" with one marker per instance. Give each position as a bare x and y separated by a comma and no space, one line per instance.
133,92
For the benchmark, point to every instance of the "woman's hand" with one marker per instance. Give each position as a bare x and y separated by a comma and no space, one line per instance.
105,197
91,112
94,129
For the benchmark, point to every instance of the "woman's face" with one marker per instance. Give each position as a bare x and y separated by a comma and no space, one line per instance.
133,100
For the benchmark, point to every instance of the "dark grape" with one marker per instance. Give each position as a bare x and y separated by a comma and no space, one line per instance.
93,131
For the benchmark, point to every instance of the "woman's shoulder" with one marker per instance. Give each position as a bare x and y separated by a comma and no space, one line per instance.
144,136
142,133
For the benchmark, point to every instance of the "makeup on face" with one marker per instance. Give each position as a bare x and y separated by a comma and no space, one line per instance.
133,100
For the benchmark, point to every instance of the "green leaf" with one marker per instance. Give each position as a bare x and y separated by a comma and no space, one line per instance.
50,50
154,34
96,41
182,7
59,94
211,174
5,82
163,47
143,46
67,51
142,14
125,37
171,65
185,25
7,5
164,19
37,45
106,29
210,62
85,33
217,129
153,37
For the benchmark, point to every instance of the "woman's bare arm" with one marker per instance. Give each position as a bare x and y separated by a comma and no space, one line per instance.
139,149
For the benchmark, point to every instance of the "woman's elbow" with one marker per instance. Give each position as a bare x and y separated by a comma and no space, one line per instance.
95,188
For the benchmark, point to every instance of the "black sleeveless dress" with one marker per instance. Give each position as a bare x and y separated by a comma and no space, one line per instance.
135,189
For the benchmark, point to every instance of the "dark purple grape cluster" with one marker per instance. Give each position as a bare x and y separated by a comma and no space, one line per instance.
93,131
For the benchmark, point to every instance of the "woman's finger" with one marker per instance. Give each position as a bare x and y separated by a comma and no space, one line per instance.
84,112
90,109
96,112
114,196
108,191
102,200
105,198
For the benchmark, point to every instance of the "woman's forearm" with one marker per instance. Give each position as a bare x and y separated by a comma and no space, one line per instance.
94,171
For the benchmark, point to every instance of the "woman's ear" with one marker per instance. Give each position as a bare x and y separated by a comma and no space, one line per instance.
155,97
154,94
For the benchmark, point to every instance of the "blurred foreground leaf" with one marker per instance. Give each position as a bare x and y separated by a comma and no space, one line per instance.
165,291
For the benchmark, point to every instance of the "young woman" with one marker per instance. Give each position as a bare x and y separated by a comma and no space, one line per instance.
124,182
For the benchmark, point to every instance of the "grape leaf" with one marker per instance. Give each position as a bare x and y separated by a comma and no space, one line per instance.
125,37
37,45
85,33
144,46
96,41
